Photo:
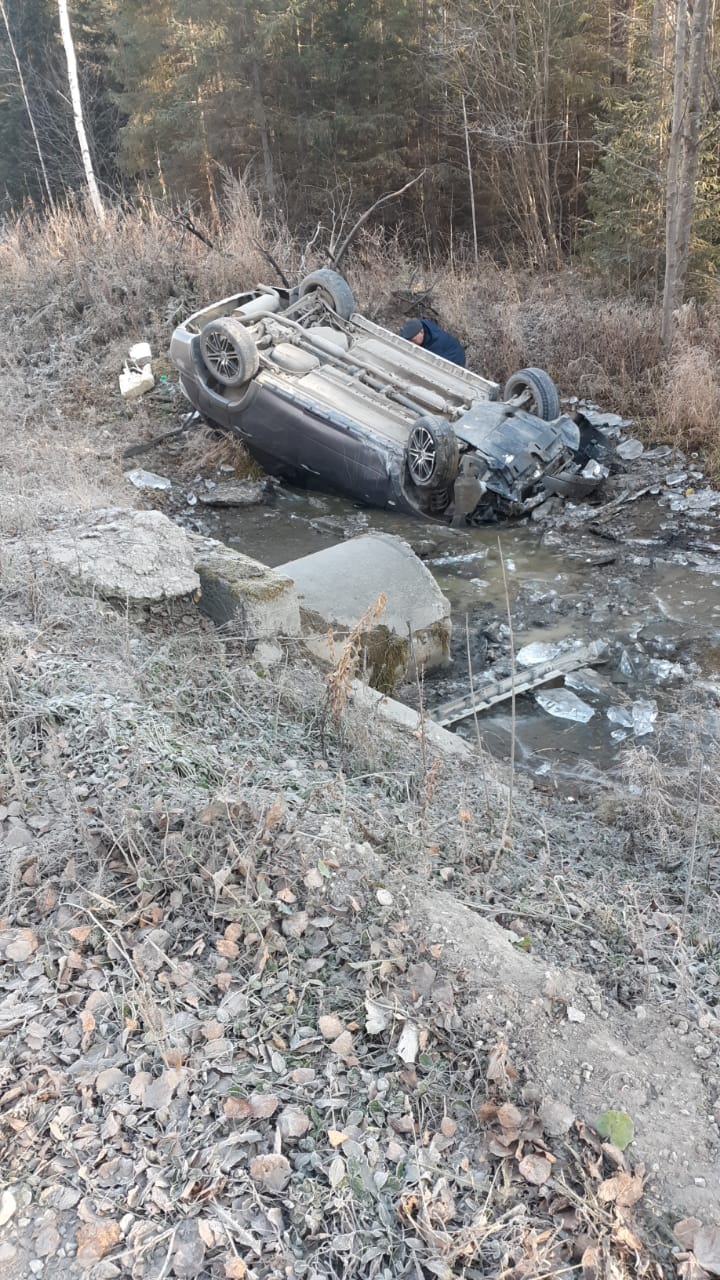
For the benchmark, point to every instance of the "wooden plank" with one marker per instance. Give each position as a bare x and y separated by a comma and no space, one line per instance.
493,691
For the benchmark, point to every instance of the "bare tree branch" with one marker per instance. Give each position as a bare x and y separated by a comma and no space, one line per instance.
392,195
269,258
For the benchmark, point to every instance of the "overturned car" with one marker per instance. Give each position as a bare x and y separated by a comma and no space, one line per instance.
327,399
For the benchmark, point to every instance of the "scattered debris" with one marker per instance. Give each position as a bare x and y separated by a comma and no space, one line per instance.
245,493
629,450
564,705
137,376
640,717
493,691
148,480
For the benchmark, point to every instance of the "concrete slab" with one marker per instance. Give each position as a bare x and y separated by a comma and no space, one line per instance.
243,595
339,585
377,704
122,554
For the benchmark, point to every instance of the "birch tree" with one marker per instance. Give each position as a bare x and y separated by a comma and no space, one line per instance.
76,100
683,153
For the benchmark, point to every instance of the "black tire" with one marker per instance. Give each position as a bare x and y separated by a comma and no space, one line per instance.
229,352
543,399
433,453
333,288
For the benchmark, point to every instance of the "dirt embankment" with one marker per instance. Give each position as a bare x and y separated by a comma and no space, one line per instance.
285,992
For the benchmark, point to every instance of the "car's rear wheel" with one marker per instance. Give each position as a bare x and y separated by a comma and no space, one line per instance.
229,351
333,289
433,453
535,391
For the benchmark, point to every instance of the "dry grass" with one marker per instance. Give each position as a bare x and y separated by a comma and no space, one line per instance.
687,402
206,449
603,348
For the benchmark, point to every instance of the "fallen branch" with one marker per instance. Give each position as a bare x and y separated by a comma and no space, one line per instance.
137,449
628,495
269,257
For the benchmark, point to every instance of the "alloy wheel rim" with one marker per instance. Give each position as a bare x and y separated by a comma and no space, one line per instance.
221,355
422,455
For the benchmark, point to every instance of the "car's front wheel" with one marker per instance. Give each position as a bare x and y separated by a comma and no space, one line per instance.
332,288
535,391
229,352
433,453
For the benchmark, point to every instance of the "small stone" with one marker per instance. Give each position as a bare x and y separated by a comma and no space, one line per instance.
7,1252
47,1242
702,1051
700,1182
8,1206
36,1266
384,897
556,1118
18,837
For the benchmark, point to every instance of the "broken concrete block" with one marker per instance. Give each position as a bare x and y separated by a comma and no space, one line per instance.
373,703
339,585
138,556
256,602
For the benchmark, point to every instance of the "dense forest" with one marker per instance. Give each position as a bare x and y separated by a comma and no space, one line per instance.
540,130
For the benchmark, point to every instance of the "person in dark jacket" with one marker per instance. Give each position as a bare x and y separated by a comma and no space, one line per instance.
427,334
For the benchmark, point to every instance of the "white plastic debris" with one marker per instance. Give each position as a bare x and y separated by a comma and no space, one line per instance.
408,1044
135,382
140,353
564,705
148,480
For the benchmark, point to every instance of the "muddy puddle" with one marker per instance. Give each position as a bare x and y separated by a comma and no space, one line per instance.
644,578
